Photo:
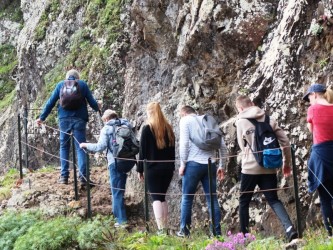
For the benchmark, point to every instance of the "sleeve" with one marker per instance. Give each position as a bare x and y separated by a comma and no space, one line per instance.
51,102
102,143
90,99
184,140
309,114
143,148
283,141
240,138
223,153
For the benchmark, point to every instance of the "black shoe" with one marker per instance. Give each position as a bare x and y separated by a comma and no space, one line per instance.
63,180
83,183
292,234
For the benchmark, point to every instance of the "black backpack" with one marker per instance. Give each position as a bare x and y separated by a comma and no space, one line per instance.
70,95
123,143
266,149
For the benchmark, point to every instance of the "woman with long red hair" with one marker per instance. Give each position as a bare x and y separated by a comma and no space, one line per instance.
157,146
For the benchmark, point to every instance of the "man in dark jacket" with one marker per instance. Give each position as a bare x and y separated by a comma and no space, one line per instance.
71,121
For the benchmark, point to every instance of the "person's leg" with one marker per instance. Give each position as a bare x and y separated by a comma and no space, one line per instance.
167,177
248,183
65,129
205,185
325,192
269,181
118,184
79,131
190,183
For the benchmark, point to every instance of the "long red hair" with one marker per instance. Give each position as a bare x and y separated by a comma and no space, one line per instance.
160,126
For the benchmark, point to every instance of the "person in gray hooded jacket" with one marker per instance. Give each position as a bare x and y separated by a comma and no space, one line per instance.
118,168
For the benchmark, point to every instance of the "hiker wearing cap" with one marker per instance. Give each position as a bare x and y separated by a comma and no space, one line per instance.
71,96
118,168
320,171
253,173
157,146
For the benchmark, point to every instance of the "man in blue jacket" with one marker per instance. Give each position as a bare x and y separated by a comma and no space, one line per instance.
71,120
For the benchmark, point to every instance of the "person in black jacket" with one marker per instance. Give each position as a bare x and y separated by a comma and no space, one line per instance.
157,146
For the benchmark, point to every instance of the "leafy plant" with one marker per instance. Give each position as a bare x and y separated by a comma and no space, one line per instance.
14,225
316,29
58,233
323,62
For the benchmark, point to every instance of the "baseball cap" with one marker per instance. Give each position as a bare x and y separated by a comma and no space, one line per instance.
316,87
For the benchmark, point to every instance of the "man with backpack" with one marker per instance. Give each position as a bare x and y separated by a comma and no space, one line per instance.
255,134
73,95
200,138
118,139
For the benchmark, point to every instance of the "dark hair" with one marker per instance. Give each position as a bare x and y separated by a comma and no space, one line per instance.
188,110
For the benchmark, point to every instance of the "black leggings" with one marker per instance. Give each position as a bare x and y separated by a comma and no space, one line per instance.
159,179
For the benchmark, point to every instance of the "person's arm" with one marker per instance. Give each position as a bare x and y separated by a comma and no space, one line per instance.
143,148
223,153
184,140
51,102
309,119
90,99
101,145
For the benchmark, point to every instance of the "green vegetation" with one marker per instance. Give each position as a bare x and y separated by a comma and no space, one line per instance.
8,62
323,62
7,182
49,15
12,12
31,230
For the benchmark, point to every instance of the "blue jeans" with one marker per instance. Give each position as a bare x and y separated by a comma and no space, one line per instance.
78,127
118,183
325,192
195,173
264,181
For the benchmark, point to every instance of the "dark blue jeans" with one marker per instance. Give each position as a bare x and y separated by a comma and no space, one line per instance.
76,126
264,181
325,192
195,173
118,184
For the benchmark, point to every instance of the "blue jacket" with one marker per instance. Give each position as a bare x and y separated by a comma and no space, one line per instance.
62,113
320,165
105,137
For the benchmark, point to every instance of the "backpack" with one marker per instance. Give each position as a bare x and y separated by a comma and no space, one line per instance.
266,149
209,135
70,95
123,142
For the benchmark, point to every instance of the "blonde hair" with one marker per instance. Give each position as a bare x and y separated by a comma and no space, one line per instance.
74,73
244,101
160,126
109,114
329,95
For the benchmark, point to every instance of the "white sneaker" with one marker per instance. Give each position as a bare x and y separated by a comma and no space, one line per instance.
118,225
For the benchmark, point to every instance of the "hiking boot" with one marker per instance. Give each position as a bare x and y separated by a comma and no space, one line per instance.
182,234
292,234
122,225
63,180
83,183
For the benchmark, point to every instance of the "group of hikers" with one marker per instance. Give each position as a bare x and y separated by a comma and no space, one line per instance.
157,150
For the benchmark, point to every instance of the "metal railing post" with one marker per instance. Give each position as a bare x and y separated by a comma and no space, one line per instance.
88,188
146,194
74,169
19,144
26,137
211,195
298,205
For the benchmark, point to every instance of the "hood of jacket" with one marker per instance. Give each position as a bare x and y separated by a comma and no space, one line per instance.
252,112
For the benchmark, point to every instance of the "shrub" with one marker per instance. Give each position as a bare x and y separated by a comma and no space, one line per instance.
58,233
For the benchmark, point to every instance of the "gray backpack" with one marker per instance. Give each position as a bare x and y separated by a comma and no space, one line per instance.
209,135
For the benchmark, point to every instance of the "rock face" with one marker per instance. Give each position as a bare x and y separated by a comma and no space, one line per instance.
201,53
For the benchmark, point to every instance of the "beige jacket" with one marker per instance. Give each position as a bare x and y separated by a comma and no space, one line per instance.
245,130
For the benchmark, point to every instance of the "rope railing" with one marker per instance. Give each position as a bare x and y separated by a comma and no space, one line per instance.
146,192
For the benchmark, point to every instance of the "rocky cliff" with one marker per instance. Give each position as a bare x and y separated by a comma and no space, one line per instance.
199,52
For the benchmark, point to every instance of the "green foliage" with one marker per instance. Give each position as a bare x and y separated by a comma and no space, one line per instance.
14,225
269,243
12,12
316,29
8,62
58,233
49,15
323,62
9,178
92,233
